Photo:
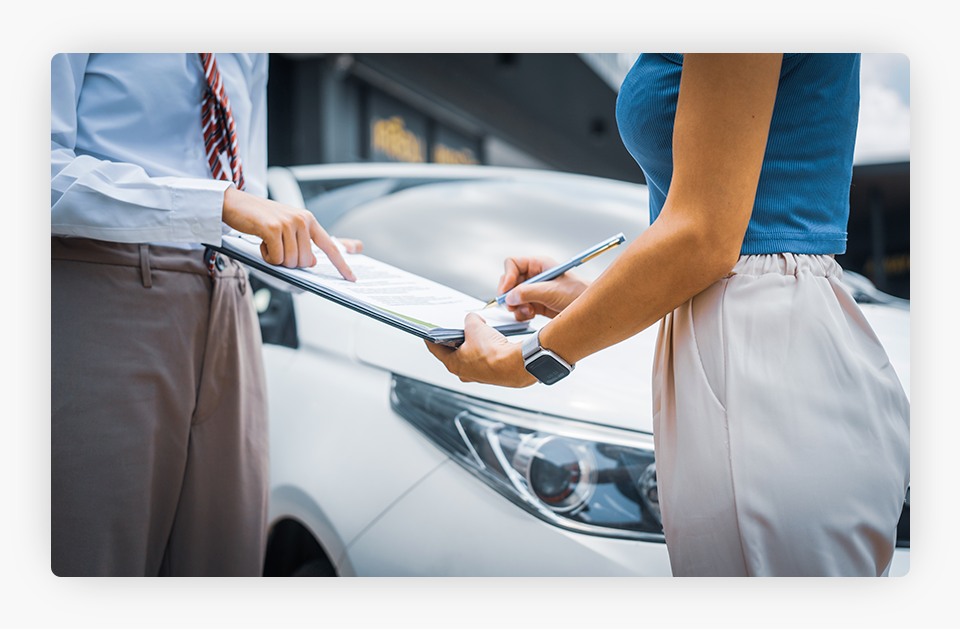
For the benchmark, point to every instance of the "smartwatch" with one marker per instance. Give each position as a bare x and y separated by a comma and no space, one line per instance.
545,366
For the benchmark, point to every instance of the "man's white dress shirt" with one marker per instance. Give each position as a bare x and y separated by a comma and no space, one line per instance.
127,155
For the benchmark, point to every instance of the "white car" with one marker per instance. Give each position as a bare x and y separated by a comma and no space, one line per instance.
383,463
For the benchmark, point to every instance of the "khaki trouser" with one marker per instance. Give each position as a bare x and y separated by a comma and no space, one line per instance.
159,415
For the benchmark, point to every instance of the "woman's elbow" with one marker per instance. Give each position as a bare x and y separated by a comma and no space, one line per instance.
727,258
718,251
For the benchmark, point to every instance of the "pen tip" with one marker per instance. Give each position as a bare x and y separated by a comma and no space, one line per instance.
490,304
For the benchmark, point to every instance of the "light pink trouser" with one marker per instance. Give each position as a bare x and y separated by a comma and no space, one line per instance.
159,416
781,429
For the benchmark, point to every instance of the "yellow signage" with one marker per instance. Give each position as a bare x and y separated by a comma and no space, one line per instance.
394,140
892,265
443,154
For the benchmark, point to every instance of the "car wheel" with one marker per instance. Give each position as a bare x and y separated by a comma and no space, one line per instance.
292,551
315,568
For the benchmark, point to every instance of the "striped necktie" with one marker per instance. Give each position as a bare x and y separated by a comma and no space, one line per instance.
219,130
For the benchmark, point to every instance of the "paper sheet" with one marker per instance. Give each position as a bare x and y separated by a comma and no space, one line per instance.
389,288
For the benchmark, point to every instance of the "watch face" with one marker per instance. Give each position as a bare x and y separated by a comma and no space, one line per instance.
546,369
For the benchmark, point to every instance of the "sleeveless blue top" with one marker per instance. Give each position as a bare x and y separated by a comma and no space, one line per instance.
803,195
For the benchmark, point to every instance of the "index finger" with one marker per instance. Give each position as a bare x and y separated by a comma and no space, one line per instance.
513,270
326,245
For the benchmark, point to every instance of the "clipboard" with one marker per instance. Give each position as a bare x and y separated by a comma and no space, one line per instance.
398,298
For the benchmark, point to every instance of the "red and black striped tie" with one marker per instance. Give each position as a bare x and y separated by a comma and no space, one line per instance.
219,130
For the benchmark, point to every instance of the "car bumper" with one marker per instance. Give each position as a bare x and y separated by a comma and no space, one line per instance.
486,535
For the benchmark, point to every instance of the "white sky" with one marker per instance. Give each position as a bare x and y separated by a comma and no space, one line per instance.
884,131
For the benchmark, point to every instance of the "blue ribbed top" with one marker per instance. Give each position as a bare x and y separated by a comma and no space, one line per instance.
803,196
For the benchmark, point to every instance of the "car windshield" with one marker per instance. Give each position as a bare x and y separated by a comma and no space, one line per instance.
329,199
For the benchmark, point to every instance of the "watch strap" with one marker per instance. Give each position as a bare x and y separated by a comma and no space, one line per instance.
531,345
531,350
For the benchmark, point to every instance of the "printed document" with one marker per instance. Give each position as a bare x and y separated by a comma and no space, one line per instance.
404,300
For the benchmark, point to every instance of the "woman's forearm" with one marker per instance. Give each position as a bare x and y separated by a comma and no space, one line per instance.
668,264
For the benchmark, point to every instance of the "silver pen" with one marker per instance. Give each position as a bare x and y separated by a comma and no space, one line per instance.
557,271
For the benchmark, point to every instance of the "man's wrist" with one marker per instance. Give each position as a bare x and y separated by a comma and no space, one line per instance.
230,197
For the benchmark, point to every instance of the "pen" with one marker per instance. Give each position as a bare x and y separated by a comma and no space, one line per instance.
559,270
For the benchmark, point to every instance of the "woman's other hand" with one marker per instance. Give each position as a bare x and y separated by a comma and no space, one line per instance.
286,231
352,245
543,298
485,356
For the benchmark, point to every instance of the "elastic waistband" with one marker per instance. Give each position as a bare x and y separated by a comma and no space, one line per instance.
788,264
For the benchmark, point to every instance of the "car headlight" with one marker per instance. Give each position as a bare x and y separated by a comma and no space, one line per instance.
582,477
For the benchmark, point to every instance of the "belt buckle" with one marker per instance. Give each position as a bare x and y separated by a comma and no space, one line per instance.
214,261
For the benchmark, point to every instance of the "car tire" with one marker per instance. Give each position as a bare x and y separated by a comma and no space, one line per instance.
292,551
315,568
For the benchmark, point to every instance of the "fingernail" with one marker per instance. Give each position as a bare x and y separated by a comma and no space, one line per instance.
513,299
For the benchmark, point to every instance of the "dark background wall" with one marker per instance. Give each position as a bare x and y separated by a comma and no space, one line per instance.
878,234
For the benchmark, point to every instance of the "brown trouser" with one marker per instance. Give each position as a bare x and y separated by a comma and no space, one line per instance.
159,414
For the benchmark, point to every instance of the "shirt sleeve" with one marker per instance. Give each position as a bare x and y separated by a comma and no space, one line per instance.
119,202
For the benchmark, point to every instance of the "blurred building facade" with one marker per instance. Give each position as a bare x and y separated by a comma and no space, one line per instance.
553,111
878,233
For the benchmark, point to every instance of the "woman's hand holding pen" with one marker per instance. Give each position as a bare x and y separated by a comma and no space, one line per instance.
543,298
486,355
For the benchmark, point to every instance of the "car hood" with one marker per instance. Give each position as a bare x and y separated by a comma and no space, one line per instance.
892,327
610,388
